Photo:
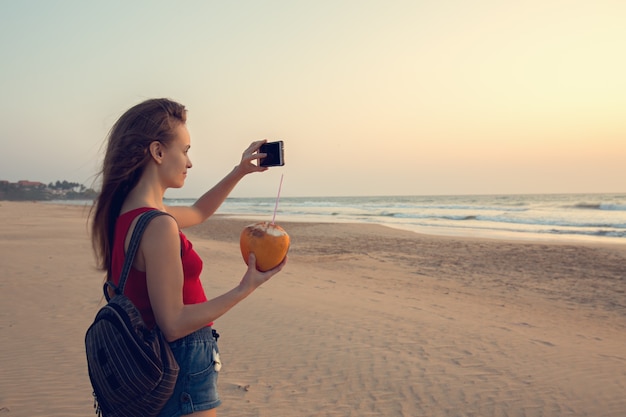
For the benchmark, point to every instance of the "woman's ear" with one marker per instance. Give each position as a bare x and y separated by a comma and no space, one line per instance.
156,151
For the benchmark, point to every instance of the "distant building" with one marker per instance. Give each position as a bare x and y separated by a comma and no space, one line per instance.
30,184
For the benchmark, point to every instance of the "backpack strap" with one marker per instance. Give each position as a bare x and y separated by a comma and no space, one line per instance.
135,240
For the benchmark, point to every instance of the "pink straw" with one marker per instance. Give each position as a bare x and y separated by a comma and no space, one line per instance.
277,198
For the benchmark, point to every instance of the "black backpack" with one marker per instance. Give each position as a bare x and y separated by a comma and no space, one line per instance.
132,369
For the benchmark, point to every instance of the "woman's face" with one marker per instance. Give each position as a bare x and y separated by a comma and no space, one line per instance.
176,162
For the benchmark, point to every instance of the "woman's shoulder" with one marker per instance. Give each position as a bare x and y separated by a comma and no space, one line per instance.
162,226
133,212
159,227
162,236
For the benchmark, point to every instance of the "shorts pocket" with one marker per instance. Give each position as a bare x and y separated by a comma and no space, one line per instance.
202,375
201,362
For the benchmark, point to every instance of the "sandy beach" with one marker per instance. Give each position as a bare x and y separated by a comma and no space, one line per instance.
364,321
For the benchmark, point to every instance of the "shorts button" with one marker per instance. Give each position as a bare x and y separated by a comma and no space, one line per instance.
184,397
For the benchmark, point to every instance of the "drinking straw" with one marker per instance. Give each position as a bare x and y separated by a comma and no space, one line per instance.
277,198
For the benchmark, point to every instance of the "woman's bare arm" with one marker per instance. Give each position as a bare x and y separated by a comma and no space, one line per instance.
160,249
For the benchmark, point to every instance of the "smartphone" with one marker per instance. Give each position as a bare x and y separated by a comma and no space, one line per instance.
275,154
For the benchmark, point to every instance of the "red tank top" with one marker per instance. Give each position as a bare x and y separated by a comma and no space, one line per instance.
136,288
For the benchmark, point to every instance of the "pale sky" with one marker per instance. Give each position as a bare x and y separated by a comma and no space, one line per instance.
382,97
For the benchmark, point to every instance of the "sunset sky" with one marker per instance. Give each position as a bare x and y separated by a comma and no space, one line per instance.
371,97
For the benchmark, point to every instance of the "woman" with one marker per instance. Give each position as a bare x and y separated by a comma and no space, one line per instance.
147,153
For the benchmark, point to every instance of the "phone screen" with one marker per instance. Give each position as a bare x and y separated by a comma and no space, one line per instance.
275,154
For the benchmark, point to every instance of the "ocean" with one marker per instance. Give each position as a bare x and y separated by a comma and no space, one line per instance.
565,217
582,217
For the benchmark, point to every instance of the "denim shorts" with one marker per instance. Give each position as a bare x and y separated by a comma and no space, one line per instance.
196,386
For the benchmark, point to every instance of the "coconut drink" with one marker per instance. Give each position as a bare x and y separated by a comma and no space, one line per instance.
268,241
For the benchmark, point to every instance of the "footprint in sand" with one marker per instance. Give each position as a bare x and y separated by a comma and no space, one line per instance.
543,342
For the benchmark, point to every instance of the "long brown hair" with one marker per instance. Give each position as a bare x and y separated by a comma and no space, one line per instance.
126,156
